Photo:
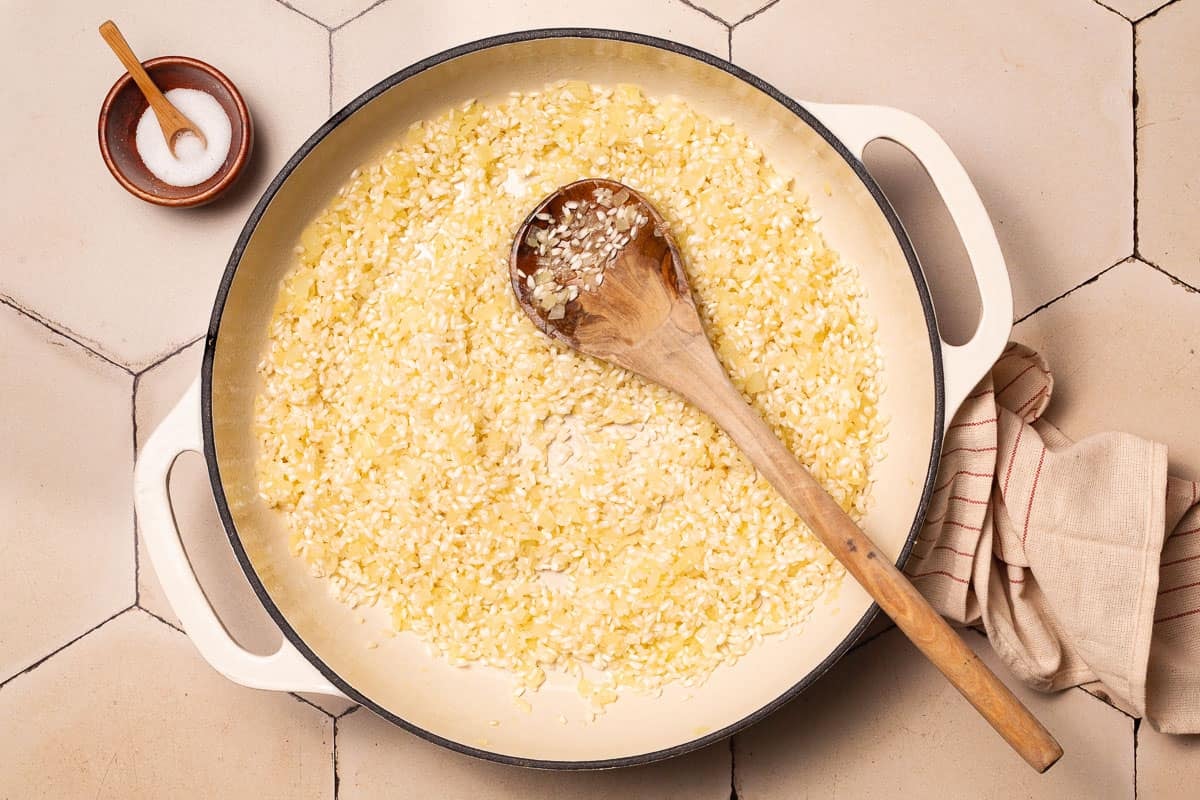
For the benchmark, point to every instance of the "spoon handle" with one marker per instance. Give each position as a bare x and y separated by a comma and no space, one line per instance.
713,393
170,119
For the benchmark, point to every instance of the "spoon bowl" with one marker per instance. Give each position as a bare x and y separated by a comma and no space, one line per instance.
621,294
611,321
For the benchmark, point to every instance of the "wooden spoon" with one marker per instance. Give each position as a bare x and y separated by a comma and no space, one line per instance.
642,317
170,119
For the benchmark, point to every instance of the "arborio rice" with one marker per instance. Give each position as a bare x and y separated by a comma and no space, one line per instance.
512,502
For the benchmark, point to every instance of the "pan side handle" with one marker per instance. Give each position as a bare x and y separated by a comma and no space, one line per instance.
857,126
284,670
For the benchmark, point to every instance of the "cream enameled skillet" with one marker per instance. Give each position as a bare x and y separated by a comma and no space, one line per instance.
325,648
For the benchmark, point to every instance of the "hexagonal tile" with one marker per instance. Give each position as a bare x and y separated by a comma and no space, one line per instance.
394,35
1167,766
132,279
1133,9
378,760
1168,126
66,497
158,389
1033,97
1124,354
1100,692
331,13
731,12
885,723
131,711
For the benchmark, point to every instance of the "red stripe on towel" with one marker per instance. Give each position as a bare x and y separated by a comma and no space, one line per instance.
961,472
972,424
1012,458
1020,375
1177,588
1177,616
939,572
1029,403
1178,561
1184,533
923,556
970,450
1033,494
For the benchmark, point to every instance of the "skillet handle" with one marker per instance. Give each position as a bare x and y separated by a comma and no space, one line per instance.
964,365
284,670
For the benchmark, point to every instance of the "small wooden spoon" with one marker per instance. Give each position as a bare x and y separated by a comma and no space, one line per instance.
642,317
170,119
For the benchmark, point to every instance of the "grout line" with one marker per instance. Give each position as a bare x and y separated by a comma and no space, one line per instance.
729,44
348,711
754,14
291,7
1073,289
1108,703
59,649
62,331
137,566
158,361
1113,10
1155,12
133,411
331,73
1137,724
336,778
1177,281
344,23
308,702
703,11
733,795
137,562
170,625
1134,114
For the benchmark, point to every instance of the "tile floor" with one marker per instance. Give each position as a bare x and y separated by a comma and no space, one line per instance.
1077,119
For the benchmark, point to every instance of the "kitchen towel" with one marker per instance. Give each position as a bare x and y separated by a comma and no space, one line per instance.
1080,559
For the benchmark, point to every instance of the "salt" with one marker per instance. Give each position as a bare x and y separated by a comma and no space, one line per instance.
192,162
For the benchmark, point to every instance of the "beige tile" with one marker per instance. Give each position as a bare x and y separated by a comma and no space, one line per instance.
378,760
732,11
66,499
331,12
1168,126
394,35
200,527
334,706
131,711
134,279
885,723
1134,9
1100,692
1168,767
1034,98
879,626
1123,353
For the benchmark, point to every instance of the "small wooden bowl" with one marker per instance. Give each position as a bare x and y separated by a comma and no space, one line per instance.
123,107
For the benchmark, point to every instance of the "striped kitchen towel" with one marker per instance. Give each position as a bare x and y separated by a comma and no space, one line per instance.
1080,559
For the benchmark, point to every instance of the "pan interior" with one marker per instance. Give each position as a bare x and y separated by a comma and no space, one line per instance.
398,677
